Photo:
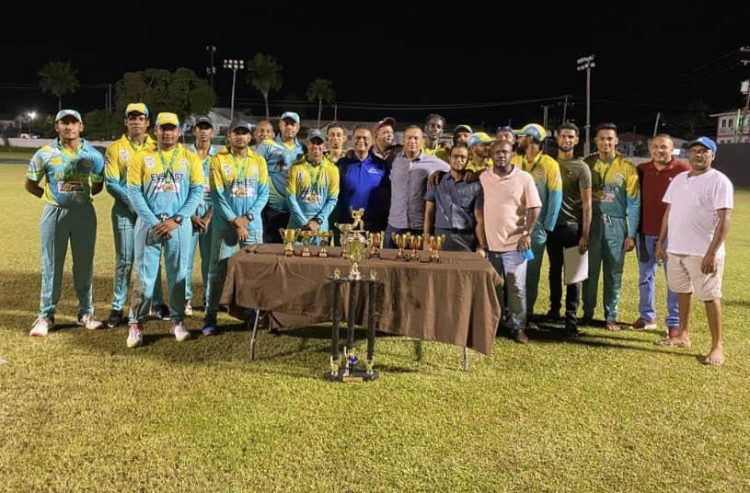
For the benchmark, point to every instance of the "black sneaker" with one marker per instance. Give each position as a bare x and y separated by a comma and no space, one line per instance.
115,319
571,331
552,316
160,312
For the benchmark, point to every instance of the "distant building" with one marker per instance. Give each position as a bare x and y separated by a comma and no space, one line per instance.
728,127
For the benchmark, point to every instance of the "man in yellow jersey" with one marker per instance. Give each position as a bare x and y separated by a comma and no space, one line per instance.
73,171
239,189
164,186
615,204
313,188
434,125
546,173
335,142
479,147
116,159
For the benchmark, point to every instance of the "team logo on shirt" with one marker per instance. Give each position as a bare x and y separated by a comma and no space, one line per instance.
619,178
227,169
149,160
124,155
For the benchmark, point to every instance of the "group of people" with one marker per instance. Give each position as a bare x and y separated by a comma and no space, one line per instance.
499,195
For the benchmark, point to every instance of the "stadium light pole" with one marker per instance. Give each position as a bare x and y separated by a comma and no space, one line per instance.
587,63
32,116
234,66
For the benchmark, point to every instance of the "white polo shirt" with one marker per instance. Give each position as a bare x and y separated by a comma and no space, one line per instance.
693,215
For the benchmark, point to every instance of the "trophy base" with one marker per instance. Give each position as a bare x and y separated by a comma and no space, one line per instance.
354,376
323,254
305,254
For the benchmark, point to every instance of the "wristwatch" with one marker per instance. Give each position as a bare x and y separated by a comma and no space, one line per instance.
249,217
177,218
317,221
525,232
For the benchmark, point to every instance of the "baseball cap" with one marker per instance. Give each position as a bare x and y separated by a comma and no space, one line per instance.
203,119
705,142
533,130
167,119
388,120
136,108
291,115
315,134
506,128
462,128
63,113
238,123
479,138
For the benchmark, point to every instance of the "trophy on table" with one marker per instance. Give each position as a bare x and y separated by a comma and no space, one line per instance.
356,244
436,243
416,245
289,236
400,239
375,242
358,224
345,229
306,236
325,237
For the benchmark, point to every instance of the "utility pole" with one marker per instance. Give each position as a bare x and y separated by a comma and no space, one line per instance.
545,116
565,109
656,125
587,63
211,69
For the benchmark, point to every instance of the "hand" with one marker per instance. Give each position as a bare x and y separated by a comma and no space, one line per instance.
660,253
240,222
434,179
629,244
198,224
164,229
524,243
708,264
207,219
242,234
313,226
583,245
482,252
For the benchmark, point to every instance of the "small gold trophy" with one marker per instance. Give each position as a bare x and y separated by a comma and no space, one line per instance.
356,246
306,238
325,237
436,243
345,229
289,236
375,240
416,245
400,241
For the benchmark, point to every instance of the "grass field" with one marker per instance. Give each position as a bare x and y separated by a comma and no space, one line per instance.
606,412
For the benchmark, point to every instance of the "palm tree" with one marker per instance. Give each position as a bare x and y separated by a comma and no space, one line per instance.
320,90
59,78
265,76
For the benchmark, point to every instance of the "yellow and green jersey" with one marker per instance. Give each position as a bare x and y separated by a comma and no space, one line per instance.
614,189
546,173
116,159
165,183
312,192
68,174
280,156
239,186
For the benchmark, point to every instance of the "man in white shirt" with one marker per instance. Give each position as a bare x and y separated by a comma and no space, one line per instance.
696,223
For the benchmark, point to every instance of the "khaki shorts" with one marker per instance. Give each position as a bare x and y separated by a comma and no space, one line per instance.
684,276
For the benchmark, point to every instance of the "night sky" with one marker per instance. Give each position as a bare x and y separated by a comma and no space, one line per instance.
406,62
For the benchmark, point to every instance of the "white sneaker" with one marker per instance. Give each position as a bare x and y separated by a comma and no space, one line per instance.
135,335
87,320
188,308
179,331
41,326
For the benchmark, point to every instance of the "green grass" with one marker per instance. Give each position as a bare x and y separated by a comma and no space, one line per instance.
608,412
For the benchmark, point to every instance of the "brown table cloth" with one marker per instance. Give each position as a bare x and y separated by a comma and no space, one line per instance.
453,301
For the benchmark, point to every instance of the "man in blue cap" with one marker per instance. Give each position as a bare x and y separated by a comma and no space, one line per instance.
118,155
280,154
695,226
73,171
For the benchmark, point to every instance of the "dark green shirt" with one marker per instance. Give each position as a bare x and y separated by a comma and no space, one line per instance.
575,175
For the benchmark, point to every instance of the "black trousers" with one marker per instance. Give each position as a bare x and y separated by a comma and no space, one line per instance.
457,242
564,236
273,220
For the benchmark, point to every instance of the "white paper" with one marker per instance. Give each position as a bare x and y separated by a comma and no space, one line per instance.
576,265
